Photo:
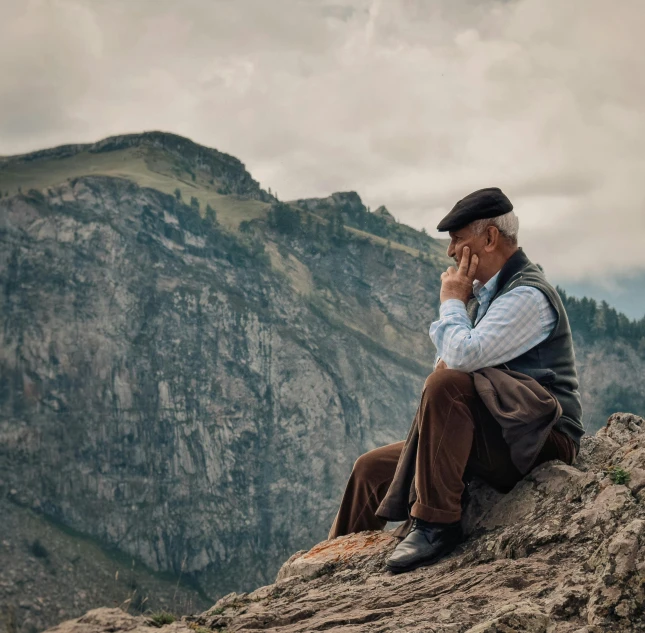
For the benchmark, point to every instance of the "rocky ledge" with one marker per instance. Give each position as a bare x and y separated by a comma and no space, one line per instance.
563,552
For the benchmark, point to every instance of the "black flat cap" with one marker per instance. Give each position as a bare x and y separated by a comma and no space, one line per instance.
480,204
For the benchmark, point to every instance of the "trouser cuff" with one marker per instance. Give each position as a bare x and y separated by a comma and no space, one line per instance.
434,515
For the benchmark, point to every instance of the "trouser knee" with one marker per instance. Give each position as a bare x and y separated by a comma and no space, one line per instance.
446,383
364,466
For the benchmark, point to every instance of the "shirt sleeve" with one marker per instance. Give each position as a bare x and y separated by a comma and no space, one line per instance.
514,323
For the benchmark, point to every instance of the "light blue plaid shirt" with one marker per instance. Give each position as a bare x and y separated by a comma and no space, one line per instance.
516,322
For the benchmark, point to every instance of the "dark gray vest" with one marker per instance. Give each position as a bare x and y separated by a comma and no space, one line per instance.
553,361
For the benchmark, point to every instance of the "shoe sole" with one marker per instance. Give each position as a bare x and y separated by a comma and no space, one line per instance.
422,563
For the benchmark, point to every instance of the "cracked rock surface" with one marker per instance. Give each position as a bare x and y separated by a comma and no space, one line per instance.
563,552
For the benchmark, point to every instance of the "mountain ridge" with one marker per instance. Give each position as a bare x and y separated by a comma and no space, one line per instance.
154,138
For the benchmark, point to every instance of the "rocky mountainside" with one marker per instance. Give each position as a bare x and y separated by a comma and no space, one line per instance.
563,552
189,396
189,368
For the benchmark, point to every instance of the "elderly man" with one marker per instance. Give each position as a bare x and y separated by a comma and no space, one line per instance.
503,396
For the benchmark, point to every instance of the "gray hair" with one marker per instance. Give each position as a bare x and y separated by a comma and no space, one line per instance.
508,225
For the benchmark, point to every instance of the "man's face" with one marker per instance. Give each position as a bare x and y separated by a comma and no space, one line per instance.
464,237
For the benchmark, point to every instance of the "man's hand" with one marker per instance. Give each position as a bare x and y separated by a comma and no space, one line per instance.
458,284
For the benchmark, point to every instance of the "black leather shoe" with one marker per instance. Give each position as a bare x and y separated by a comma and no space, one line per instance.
425,544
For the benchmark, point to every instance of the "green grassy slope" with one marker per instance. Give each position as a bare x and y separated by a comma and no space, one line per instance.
147,168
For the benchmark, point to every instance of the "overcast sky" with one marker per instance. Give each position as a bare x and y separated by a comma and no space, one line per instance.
411,103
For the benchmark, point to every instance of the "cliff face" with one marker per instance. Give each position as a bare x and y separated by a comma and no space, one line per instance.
193,392
563,552
168,391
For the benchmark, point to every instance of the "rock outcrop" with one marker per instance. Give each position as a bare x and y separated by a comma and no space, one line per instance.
341,200
384,213
563,552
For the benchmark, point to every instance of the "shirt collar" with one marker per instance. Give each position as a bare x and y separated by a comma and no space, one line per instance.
484,291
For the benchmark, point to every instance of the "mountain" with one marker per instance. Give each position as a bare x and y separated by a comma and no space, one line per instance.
153,159
189,367
563,552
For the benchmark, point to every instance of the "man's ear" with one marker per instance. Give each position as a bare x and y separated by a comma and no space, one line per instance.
492,239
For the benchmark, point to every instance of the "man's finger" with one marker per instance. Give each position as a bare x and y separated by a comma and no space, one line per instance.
465,261
474,260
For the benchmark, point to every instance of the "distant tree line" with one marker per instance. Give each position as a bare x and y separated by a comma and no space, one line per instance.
284,219
595,321
361,218
289,221
329,229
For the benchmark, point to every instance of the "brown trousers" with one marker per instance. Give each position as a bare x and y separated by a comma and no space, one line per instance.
458,438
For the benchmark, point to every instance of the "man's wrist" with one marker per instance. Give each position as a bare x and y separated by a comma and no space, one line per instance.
453,298
451,306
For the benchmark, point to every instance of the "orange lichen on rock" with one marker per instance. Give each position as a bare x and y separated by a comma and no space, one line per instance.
363,543
344,551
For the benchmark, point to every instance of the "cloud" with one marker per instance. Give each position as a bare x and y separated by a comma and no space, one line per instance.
411,103
45,68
